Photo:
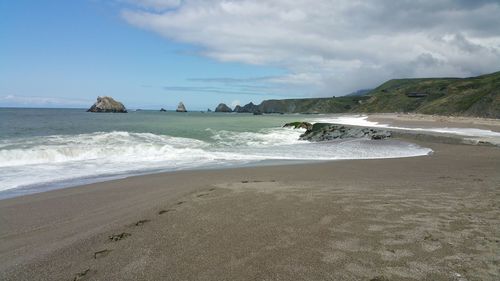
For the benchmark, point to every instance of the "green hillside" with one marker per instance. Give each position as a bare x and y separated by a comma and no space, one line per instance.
475,96
312,105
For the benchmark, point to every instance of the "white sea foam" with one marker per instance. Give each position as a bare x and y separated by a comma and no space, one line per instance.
360,120
54,159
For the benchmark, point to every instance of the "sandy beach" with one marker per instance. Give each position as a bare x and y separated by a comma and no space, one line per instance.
433,217
414,120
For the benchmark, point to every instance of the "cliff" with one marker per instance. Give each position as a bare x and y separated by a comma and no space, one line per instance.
475,96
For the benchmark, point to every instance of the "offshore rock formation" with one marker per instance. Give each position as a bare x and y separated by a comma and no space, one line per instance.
107,104
248,108
222,107
163,110
327,131
181,107
299,125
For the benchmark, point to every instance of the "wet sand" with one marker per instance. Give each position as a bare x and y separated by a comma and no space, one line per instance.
433,217
412,120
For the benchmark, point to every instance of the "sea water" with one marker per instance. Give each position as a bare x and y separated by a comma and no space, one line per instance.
42,149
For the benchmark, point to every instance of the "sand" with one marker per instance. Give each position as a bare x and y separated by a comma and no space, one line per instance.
413,120
433,217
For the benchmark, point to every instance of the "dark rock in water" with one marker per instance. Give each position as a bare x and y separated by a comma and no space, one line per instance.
163,110
248,108
222,107
327,131
107,104
209,110
181,107
257,112
299,125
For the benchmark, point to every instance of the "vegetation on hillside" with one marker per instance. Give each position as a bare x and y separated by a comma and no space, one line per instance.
475,96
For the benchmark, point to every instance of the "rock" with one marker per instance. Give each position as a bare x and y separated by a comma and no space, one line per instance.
222,107
181,107
107,104
299,125
257,112
248,108
209,110
327,131
163,110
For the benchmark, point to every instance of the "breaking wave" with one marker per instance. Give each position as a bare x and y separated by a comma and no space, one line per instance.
73,159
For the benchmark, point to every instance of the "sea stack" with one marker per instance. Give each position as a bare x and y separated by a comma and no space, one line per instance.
107,104
248,108
222,107
181,107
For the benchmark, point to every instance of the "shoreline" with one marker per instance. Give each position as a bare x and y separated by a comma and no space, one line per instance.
206,217
391,119
49,187
414,218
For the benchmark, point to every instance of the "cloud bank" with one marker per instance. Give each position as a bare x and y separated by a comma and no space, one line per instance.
334,47
39,101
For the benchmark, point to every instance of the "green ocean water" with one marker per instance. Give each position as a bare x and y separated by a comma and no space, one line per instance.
30,122
42,149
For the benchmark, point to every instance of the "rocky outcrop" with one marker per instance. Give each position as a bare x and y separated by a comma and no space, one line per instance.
222,107
181,107
107,104
327,131
299,125
248,108
163,110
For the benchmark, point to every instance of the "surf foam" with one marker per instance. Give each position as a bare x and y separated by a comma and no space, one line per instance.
59,159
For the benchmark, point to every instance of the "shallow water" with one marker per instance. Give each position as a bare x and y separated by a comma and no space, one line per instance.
42,149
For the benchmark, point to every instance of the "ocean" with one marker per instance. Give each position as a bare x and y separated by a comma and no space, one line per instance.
44,149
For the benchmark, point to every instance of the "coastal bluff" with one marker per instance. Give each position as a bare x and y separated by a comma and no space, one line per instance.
107,104
467,97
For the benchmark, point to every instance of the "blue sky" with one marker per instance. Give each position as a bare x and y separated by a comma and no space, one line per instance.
61,53
155,53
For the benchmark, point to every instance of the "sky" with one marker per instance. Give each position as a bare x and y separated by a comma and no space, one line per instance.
154,53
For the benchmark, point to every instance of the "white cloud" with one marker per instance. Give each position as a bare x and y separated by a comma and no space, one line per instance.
235,103
36,101
335,47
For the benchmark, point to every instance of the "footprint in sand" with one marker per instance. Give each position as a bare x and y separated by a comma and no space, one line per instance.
101,253
81,275
257,181
161,212
379,278
118,237
141,222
